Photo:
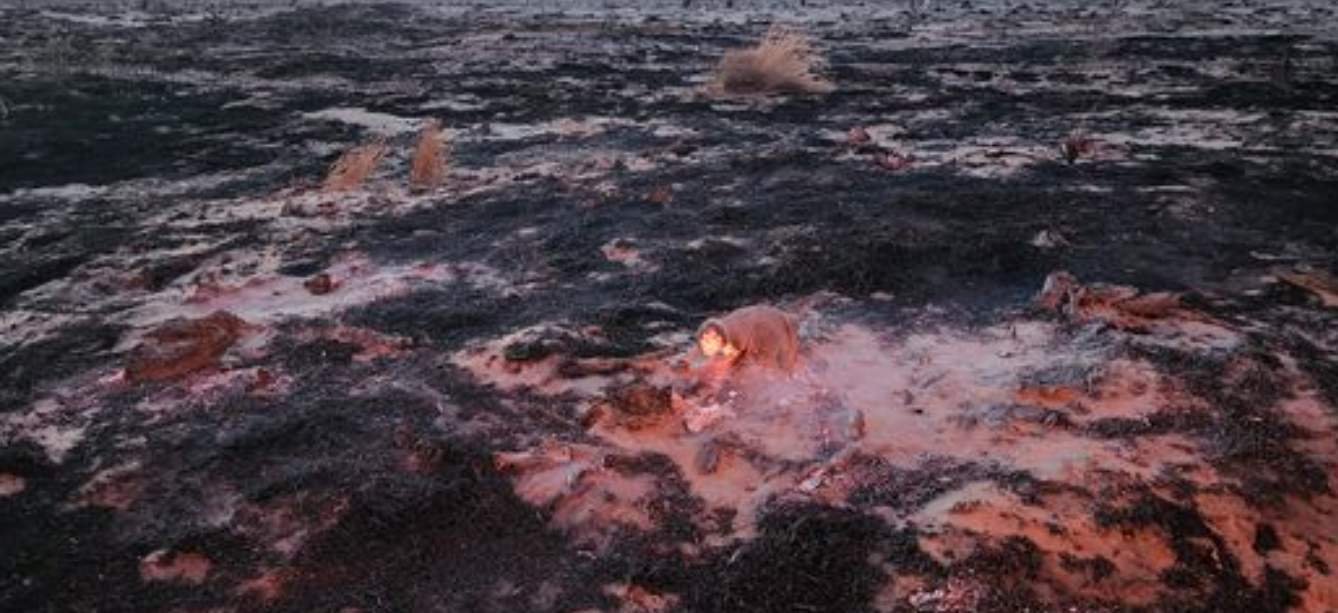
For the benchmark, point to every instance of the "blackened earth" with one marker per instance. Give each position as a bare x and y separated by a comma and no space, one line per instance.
147,155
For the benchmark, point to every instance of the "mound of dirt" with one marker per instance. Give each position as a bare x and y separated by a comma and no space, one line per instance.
183,346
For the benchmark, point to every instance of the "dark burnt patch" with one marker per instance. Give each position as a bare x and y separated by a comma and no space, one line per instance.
1205,572
1094,569
1007,568
807,558
1246,435
906,490
48,549
43,255
1160,422
71,141
1315,362
458,538
440,317
1266,539
67,351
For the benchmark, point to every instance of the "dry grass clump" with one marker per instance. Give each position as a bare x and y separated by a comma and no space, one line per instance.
428,168
782,63
352,169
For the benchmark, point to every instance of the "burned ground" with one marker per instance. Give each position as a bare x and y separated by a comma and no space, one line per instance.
430,430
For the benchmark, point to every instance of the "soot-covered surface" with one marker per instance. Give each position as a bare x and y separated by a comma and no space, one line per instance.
224,388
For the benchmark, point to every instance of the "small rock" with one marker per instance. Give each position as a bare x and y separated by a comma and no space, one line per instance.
185,567
858,136
320,284
11,485
661,195
529,350
1055,419
263,381
892,160
1048,239
682,148
589,414
708,457
622,251
637,405
1057,289
852,425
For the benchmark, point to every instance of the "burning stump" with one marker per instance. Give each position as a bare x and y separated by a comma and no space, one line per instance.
184,346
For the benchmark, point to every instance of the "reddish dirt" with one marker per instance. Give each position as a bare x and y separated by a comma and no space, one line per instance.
181,347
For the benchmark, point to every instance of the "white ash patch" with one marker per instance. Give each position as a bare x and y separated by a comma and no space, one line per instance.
51,424
249,286
458,104
985,158
566,127
724,239
73,191
382,124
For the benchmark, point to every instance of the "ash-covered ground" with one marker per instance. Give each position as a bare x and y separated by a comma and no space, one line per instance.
226,387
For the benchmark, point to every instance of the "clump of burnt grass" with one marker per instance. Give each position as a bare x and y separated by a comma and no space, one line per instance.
907,490
783,62
428,167
351,170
